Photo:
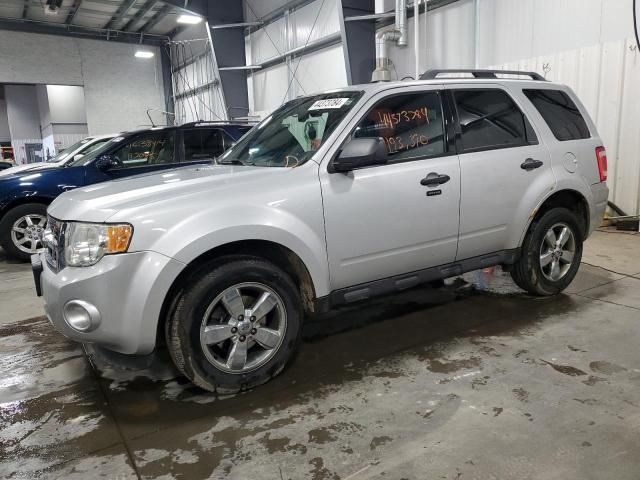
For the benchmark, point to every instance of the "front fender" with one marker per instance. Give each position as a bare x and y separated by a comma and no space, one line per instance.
199,233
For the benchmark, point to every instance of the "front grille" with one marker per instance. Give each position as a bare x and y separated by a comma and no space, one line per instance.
54,244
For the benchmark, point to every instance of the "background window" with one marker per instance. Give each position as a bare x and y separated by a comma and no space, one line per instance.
153,148
411,125
491,119
560,113
204,143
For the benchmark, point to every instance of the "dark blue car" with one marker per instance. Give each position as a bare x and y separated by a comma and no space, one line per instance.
24,197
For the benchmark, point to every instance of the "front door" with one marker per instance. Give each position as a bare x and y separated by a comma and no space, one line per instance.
399,217
505,168
143,153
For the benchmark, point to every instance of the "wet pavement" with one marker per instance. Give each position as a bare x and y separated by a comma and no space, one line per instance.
476,380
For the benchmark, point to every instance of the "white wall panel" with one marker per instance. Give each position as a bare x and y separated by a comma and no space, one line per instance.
302,20
261,8
627,182
268,42
329,61
515,29
269,87
448,42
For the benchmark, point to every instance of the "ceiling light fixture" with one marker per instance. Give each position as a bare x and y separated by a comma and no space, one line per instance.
144,54
189,19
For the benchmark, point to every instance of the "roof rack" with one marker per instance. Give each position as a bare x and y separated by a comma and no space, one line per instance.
218,122
483,74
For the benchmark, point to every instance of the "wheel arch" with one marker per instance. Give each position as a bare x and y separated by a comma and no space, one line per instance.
278,254
23,200
567,198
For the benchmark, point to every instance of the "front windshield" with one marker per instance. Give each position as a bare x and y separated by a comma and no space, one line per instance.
92,152
293,133
64,154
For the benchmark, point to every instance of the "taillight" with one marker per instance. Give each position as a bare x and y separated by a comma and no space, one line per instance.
601,156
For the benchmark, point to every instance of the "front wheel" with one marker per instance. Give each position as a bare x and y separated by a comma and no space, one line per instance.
551,253
21,230
235,326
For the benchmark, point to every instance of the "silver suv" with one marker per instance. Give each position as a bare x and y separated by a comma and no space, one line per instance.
334,198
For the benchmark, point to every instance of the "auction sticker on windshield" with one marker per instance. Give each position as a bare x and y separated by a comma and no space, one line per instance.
329,103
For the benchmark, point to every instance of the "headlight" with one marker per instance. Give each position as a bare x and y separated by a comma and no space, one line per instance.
87,243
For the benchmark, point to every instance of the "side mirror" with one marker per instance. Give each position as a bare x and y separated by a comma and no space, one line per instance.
105,162
360,153
77,157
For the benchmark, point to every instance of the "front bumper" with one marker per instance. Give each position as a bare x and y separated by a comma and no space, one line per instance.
127,289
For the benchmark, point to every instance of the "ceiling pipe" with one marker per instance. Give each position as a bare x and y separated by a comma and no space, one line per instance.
416,36
398,35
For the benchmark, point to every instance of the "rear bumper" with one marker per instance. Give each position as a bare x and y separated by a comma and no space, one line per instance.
128,291
600,193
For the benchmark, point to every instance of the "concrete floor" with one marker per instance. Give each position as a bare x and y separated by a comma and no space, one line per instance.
470,381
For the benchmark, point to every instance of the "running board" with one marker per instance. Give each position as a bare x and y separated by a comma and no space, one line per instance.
398,283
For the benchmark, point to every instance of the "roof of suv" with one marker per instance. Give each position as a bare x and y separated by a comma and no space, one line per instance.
535,82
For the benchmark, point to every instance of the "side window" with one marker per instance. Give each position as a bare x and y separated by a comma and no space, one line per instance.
203,144
489,119
560,113
154,148
213,143
411,125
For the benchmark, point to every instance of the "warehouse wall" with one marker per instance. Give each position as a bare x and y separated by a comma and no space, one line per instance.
118,87
23,115
512,30
5,136
63,119
317,71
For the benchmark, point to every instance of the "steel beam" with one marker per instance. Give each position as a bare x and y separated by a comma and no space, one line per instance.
358,39
229,51
153,21
142,11
122,10
48,28
72,12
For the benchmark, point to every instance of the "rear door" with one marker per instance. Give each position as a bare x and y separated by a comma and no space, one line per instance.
504,166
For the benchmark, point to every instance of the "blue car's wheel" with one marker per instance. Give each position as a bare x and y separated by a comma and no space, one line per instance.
21,230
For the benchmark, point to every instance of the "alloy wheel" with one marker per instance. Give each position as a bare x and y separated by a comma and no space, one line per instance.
557,252
26,233
243,327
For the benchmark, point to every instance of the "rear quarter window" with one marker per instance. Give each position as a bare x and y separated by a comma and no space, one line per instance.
561,114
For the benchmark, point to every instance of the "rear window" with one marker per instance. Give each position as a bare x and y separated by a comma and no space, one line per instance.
560,113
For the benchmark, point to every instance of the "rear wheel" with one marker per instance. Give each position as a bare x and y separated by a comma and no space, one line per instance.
21,230
235,326
551,253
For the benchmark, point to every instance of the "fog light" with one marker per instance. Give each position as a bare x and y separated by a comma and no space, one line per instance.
81,315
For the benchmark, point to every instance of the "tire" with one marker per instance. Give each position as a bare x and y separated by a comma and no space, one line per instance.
208,300
535,270
16,217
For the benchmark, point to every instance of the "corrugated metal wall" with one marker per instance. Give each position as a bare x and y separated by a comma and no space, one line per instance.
320,70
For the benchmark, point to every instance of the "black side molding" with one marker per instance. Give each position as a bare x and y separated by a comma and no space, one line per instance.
399,283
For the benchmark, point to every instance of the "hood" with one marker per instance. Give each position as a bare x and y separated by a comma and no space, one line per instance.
129,196
28,167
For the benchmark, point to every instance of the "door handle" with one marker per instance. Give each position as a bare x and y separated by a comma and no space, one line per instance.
531,164
434,179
